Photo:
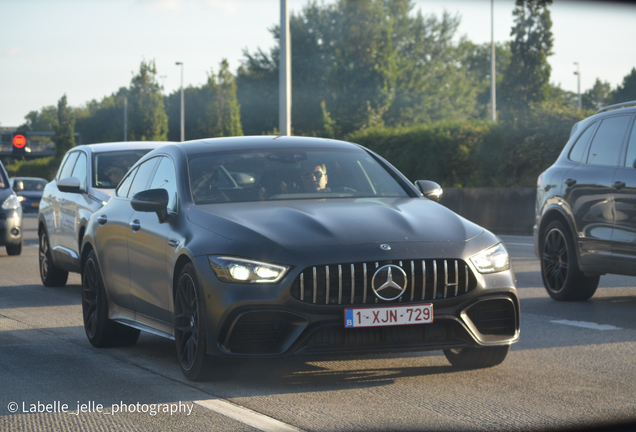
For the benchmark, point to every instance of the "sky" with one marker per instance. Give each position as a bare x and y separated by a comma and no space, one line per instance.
87,49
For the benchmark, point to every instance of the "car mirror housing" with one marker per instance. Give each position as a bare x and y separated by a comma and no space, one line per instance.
69,185
18,186
430,189
152,201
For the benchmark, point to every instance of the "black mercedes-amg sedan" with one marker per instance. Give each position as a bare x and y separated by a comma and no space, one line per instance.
269,246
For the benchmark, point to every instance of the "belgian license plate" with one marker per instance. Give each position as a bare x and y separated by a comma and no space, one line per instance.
389,316
36,205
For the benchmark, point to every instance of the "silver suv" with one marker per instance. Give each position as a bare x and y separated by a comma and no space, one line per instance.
86,179
10,217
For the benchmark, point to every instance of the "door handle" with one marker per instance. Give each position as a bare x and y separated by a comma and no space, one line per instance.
618,185
102,219
135,225
570,182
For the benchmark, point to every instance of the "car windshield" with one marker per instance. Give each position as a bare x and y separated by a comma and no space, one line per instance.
279,174
34,185
110,167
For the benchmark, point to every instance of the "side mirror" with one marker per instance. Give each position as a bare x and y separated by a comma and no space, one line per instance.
430,189
18,186
69,184
152,201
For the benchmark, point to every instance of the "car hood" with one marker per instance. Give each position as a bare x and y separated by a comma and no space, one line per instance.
333,222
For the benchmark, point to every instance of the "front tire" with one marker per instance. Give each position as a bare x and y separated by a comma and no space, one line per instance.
562,276
189,326
477,358
101,331
14,249
50,275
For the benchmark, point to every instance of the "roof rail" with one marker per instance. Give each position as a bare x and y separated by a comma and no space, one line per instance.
620,105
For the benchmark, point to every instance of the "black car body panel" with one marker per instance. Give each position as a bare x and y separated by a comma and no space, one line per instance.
342,240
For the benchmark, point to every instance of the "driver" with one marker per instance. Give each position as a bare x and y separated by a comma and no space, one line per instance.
315,179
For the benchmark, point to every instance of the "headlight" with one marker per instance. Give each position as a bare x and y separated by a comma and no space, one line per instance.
231,269
11,203
492,260
21,198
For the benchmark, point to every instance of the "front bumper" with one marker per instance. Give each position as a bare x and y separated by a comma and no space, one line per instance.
10,227
257,320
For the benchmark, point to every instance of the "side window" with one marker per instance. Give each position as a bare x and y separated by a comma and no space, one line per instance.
631,149
577,154
606,145
69,163
143,175
80,170
124,187
165,179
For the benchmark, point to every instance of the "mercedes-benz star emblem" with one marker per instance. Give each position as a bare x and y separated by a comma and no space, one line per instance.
385,247
389,282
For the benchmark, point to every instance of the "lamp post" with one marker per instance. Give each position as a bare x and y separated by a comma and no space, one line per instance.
284,75
125,118
182,108
578,79
493,90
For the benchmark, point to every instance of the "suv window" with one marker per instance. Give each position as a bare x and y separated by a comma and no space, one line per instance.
143,175
165,179
69,163
577,154
124,186
606,145
631,149
79,171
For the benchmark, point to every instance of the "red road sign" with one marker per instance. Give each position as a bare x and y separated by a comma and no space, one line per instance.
19,141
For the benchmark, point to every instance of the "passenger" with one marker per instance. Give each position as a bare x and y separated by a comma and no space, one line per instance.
315,178
114,173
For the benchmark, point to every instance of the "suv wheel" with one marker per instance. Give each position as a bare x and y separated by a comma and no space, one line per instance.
51,276
562,276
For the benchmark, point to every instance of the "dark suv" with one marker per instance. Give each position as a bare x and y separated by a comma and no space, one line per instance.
586,206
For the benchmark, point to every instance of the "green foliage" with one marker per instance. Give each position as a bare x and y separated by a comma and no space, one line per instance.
597,97
195,101
626,92
102,121
40,121
45,168
223,117
526,80
148,119
64,128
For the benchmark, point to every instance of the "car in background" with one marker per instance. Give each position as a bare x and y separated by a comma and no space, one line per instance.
10,216
84,182
585,222
318,246
29,192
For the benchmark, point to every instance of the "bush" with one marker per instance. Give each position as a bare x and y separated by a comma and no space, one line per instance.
43,167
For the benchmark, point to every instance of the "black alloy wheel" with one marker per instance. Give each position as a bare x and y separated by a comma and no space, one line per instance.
562,276
189,326
50,275
101,331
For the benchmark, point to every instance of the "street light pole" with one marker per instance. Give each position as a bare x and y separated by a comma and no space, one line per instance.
182,107
578,79
125,118
493,89
284,75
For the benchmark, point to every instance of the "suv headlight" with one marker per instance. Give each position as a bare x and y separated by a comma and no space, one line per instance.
11,203
492,260
231,269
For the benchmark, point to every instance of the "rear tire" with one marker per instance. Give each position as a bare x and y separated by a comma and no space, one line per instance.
477,358
189,326
14,249
51,276
101,331
562,276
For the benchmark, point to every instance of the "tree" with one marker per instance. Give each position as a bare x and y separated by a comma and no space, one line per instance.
223,116
102,121
195,101
598,96
64,137
526,80
148,119
626,92
40,121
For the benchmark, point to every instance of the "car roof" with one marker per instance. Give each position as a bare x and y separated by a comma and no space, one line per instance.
122,145
262,142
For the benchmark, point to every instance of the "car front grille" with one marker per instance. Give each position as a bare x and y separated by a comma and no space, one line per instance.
493,317
350,283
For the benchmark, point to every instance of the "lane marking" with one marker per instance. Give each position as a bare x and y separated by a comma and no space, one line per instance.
589,325
246,416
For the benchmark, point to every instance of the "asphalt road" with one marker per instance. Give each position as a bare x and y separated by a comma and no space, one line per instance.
574,367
